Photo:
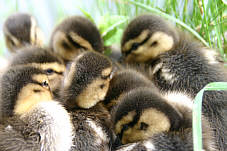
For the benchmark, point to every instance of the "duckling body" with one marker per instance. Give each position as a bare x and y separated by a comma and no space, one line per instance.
75,35
20,30
85,85
44,59
178,63
30,119
92,129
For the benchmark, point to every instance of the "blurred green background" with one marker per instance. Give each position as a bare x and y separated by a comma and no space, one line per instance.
204,19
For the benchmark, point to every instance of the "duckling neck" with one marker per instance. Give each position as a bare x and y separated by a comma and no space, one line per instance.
52,122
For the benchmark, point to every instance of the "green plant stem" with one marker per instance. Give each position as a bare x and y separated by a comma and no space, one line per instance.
197,111
206,21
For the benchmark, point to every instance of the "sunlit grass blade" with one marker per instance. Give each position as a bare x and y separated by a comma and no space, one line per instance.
87,15
197,111
114,26
167,16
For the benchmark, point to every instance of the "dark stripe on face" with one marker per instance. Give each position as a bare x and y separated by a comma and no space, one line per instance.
136,45
130,124
77,45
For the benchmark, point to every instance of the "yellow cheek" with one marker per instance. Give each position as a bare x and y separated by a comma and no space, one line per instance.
26,103
92,94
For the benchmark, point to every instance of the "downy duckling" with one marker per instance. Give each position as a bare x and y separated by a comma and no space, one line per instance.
87,81
44,59
85,85
74,35
30,118
20,30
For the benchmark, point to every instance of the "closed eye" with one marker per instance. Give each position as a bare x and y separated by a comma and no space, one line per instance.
36,90
154,43
143,126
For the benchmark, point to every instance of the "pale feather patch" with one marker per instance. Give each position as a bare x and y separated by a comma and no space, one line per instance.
210,55
128,147
157,67
33,31
40,37
149,145
170,77
179,98
59,134
102,137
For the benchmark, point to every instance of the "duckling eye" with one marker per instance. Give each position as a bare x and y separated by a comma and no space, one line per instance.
143,126
45,84
49,71
36,90
135,46
154,43
102,86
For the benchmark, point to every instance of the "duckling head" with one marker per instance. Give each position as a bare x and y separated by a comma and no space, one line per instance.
20,30
146,37
75,35
41,58
87,80
22,87
142,114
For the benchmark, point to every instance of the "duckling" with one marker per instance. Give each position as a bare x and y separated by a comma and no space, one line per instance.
20,30
30,118
144,115
75,35
138,110
85,85
87,81
44,59
178,63
122,82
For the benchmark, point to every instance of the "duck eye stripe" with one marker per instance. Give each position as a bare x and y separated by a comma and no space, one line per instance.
77,45
137,45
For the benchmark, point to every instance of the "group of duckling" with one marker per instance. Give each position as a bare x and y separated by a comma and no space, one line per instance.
69,96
